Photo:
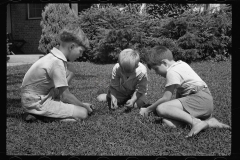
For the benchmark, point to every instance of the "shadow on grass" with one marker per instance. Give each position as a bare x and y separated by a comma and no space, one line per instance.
14,109
13,79
14,102
35,118
15,115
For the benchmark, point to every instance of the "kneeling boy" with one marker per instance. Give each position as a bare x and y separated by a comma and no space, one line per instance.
128,83
193,104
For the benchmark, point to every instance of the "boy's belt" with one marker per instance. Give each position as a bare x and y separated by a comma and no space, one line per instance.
199,88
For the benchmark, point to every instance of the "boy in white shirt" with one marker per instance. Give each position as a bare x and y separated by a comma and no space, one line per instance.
128,83
44,90
193,104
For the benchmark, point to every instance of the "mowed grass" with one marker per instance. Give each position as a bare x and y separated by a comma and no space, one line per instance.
118,132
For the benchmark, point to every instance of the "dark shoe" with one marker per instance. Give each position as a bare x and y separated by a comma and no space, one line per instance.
29,117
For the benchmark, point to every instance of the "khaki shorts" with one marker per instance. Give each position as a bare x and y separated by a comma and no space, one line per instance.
199,105
45,105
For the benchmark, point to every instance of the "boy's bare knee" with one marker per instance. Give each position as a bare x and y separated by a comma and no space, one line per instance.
161,109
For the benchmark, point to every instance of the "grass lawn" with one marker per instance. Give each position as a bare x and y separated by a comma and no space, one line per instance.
118,132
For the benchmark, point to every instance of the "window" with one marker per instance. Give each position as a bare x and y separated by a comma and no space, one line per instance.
35,10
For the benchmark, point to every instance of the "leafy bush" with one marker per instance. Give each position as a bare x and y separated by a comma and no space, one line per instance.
191,36
54,18
111,30
204,36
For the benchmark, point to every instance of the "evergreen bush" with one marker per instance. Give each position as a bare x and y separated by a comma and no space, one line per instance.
207,36
190,36
111,30
54,18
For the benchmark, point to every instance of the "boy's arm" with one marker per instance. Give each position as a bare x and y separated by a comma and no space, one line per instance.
70,72
166,97
115,80
70,76
135,96
141,88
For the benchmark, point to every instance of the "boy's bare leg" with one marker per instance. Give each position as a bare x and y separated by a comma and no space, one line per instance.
79,111
68,120
172,123
174,110
102,97
214,123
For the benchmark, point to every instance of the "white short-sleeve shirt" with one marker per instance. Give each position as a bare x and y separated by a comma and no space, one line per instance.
128,85
48,72
186,79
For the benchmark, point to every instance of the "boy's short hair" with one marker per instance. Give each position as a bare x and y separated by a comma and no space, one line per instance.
128,60
156,55
74,34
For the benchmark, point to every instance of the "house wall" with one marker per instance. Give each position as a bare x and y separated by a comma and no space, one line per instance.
30,29
24,28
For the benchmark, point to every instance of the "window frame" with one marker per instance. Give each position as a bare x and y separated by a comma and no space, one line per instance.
28,12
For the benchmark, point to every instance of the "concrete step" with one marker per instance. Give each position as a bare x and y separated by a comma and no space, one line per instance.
23,59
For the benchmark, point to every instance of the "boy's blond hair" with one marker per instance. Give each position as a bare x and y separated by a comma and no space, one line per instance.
74,34
128,60
156,55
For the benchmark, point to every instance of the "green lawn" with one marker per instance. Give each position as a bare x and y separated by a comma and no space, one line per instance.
117,132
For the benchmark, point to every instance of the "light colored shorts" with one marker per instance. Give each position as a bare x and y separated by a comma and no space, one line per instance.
199,105
45,105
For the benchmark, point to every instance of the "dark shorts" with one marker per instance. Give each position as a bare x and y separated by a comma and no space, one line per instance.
199,105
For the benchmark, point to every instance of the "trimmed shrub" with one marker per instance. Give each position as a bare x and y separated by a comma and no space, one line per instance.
111,30
207,35
191,36
54,18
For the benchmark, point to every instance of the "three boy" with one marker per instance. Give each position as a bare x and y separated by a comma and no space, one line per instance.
45,92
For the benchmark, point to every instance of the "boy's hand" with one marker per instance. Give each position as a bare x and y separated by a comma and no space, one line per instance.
89,107
113,102
129,103
144,112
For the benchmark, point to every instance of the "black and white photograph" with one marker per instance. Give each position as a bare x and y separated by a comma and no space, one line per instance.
119,79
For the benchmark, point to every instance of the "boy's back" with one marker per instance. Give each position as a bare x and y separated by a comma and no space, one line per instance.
182,74
41,75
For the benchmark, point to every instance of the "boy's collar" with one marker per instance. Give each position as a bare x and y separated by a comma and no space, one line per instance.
56,52
174,64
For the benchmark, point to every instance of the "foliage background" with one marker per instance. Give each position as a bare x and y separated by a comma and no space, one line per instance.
192,36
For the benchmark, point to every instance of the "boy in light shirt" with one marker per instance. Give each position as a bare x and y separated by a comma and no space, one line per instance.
44,90
193,104
128,85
